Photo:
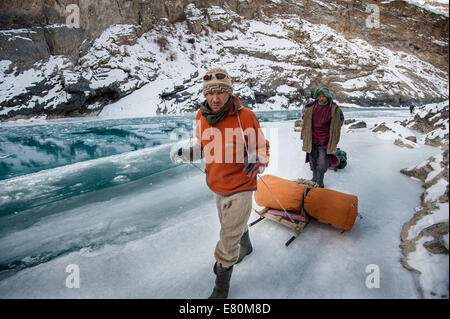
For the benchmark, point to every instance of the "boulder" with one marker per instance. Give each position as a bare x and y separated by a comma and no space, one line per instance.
219,19
194,18
381,128
298,125
400,143
360,124
349,121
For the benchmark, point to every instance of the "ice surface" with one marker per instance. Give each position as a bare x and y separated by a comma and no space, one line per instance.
154,237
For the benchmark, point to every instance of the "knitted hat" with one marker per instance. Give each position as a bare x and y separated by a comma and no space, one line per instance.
212,84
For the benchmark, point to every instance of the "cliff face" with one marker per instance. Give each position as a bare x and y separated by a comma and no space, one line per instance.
403,26
77,62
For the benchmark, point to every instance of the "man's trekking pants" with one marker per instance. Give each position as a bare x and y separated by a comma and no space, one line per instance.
234,212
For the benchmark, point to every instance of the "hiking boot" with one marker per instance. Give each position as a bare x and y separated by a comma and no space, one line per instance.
320,180
222,284
245,247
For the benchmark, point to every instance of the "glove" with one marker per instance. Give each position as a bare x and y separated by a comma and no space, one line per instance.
189,154
253,169
177,159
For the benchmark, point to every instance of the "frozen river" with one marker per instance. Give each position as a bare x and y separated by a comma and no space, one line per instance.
104,196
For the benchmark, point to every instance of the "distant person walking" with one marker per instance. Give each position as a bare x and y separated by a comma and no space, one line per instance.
235,150
411,109
321,131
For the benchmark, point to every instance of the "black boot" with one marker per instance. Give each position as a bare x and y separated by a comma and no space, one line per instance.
320,179
222,284
245,247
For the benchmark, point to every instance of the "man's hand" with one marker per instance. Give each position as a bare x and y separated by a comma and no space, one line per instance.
188,154
177,159
255,168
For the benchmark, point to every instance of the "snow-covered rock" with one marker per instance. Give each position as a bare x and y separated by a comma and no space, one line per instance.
396,132
360,124
425,236
439,6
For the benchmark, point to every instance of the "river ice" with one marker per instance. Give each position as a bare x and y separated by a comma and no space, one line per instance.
154,237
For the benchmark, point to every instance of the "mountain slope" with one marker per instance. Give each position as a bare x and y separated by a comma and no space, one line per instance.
277,53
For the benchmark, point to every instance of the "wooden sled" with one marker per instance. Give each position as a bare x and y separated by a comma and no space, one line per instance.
324,205
297,226
296,221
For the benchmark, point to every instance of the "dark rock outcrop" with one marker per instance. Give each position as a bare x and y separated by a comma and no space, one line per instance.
24,47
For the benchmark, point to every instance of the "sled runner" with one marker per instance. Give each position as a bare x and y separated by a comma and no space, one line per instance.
293,203
279,216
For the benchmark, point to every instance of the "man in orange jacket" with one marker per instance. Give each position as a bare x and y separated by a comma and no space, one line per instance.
235,150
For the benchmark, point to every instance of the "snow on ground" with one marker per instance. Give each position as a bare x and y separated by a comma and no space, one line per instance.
176,259
425,236
432,266
437,216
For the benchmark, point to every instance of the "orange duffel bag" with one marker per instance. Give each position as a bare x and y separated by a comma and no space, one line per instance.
326,205
289,193
332,207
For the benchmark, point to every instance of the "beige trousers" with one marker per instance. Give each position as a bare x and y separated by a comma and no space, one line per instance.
234,212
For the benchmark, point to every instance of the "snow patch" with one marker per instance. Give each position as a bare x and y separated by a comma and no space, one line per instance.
434,270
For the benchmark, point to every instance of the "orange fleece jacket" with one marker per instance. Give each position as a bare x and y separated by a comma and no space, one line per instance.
224,150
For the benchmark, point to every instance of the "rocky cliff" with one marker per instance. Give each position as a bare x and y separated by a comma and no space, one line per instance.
67,57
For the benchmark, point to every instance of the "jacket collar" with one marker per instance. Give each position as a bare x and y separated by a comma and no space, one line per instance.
237,106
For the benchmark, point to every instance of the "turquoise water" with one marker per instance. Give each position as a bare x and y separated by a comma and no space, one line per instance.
32,148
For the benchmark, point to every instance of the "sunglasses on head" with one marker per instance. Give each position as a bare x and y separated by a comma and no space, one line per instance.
219,76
